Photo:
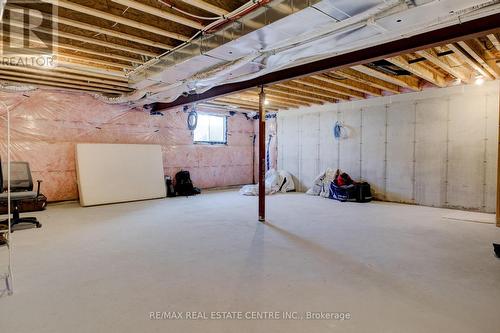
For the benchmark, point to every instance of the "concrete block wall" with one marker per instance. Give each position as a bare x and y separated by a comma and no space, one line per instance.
435,148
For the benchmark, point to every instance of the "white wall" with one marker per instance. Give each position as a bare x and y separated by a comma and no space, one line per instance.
435,148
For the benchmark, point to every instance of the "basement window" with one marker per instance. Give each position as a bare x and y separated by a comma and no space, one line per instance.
211,129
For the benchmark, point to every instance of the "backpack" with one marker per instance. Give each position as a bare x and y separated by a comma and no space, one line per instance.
170,187
364,192
184,185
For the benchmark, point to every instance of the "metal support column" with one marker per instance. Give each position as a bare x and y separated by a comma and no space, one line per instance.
498,170
262,155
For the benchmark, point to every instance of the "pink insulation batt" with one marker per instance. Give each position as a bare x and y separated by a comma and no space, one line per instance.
46,125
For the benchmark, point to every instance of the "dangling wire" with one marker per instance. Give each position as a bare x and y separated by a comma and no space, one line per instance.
339,131
213,18
268,154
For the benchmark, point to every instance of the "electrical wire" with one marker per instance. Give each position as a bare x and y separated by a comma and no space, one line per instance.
213,18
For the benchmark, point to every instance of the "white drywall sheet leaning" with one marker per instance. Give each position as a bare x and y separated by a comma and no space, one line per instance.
110,173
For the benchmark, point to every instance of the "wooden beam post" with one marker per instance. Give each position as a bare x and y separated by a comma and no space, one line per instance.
262,156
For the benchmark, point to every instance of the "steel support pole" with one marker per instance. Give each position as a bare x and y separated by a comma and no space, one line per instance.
262,155
498,169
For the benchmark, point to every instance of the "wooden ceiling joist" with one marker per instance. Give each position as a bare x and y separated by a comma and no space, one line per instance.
160,13
93,74
458,72
231,106
495,41
369,80
70,47
315,88
482,56
308,96
206,7
467,58
88,67
402,81
58,79
56,84
113,33
84,39
241,103
100,54
254,102
417,69
280,94
116,19
308,89
87,60
52,73
254,98
345,82
322,82
216,104
103,31
284,100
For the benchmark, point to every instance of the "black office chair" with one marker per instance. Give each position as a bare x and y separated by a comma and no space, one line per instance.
21,188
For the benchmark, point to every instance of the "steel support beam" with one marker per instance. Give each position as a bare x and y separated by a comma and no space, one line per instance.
466,30
498,171
262,156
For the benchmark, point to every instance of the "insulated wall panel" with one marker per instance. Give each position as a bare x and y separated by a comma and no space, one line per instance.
328,146
466,151
373,133
288,139
309,149
110,173
430,151
350,146
400,152
436,148
491,127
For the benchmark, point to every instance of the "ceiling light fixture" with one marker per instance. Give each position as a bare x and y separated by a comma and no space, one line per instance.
479,81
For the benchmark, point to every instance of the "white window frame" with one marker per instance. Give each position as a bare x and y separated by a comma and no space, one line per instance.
213,142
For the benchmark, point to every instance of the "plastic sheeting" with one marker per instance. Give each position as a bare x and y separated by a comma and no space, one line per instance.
271,146
45,127
276,181
321,184
276,40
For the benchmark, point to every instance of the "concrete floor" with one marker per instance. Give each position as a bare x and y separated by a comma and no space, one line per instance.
394,268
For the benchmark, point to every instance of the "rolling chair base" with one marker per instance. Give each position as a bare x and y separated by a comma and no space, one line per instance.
21,220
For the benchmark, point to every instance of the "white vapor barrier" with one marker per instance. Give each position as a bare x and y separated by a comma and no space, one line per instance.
435,148
111,173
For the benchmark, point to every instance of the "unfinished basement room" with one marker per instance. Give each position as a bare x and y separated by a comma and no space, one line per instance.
250,166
